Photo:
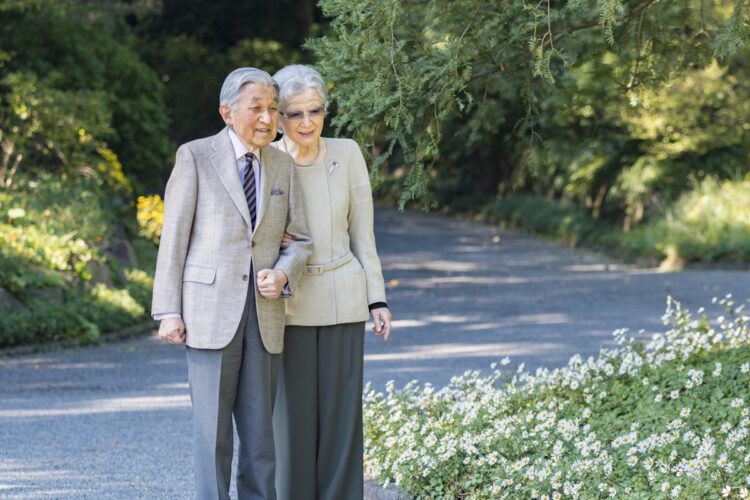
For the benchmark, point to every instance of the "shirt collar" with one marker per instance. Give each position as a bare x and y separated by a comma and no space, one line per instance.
239,149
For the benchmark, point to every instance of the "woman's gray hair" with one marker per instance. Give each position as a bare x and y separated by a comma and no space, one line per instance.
231,90
297,78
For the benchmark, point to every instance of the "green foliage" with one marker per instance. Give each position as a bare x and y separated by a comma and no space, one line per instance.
76,87
666,418
52,253
193,72
616,107
82,317
709,224
563,221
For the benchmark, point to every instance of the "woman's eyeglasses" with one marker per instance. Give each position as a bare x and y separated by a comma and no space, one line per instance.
296,116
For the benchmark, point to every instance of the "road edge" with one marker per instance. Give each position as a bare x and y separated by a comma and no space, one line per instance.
141,328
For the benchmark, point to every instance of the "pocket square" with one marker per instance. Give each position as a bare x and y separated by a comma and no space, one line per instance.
277,192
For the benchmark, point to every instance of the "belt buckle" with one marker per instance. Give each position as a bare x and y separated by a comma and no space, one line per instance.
314,269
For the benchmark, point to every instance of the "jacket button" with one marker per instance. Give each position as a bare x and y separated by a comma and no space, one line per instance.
244,277
252,243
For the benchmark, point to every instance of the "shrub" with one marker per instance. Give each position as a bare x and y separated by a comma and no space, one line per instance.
563,221
710,224
150,217
668,418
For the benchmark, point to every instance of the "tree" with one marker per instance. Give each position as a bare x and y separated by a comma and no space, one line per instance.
65,50
491,72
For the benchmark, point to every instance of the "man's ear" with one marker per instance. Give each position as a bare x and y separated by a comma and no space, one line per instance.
226,114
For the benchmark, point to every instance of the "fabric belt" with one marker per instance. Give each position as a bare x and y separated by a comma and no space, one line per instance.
330,266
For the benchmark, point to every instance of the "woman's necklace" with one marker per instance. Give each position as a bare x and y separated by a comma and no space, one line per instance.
315,158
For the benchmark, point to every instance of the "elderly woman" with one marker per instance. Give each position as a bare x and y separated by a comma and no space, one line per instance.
318,414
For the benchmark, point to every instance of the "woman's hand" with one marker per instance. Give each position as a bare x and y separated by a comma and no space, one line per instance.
286,240
381,317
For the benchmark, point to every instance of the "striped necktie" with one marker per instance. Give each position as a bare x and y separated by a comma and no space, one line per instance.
249,186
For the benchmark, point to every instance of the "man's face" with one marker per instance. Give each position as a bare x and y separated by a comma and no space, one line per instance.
254,116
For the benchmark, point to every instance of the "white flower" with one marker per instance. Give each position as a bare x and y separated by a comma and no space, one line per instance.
664,486
632,460
685,412
657,398
745,367
738,403
430,440
676,491
726,491
674,394
505,361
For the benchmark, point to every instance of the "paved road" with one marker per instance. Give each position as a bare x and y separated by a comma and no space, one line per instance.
114,421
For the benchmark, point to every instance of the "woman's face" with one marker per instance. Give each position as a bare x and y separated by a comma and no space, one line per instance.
302,118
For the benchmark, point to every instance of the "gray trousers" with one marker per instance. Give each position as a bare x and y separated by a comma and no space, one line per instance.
238,380
318,414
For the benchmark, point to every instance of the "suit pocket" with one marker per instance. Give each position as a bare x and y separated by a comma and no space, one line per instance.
204,275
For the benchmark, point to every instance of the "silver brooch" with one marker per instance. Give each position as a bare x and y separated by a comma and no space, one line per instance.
332,166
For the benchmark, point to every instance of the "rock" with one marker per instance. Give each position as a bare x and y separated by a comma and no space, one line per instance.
100,273
121,251
373,491
8,302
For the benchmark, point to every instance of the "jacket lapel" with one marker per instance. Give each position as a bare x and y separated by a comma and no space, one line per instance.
269,171
225,164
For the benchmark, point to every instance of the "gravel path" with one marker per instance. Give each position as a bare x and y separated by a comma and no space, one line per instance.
114,420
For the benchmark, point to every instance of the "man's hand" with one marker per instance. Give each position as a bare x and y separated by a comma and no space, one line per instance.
271,283
381,317
172,330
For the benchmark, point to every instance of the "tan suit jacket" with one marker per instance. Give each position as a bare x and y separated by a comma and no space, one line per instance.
207,245
343,274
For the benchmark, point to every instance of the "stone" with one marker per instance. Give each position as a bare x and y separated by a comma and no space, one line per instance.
374,491
8,302
121,251
100,272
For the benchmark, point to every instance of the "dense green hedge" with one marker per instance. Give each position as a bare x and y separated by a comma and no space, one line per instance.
55,260
710,224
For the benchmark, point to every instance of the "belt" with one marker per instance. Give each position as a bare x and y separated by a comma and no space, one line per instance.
330,266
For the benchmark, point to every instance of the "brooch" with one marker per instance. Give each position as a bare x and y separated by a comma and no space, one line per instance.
332,166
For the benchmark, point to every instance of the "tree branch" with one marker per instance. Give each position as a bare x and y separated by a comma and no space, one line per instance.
643,4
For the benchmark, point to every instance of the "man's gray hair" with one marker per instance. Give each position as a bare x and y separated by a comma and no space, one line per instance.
297,78
231,90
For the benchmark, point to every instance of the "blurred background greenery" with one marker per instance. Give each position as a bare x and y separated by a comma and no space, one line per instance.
622,125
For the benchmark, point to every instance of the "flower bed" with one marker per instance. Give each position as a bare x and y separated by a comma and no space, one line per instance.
667,418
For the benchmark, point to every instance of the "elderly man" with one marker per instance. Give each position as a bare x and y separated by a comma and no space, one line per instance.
228,202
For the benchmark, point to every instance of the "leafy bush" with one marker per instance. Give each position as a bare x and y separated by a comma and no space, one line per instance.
709,224
150,217
76,84
50,250
560,220
668,418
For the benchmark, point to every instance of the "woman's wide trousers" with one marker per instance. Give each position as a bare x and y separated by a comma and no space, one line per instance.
318,413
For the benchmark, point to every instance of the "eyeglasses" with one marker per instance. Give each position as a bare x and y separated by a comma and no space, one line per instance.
298,116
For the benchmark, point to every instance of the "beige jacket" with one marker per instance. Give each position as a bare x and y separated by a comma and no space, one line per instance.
343,275
207,246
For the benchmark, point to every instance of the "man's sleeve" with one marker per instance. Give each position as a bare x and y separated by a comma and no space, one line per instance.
292,259
179,208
